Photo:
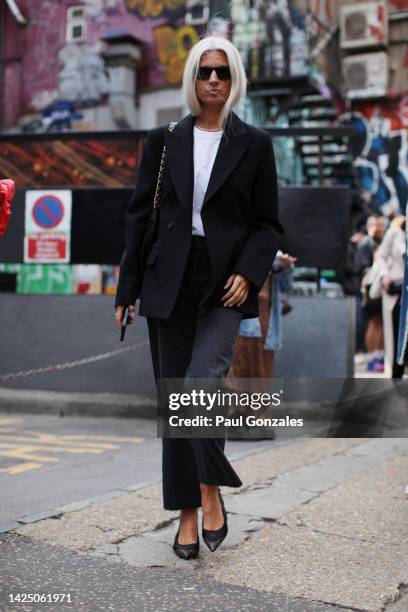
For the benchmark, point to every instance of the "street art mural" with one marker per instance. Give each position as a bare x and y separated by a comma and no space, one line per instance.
324,15
82,81
380,154
82,77
83,162
45,279
271,38
100,10
172,46
157,8
62,279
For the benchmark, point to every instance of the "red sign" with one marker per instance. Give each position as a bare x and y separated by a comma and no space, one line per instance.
43,246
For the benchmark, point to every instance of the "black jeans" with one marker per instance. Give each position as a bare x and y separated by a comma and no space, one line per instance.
196,341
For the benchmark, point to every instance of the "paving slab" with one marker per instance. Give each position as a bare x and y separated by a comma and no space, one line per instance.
316,566
400,606
270,503
334,469
372,507
141,510
295,487
103,523
267,465
145,552
240,527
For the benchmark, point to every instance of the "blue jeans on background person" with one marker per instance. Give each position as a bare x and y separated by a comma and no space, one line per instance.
251,328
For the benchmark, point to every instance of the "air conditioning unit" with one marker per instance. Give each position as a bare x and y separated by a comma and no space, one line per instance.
364,24
365,75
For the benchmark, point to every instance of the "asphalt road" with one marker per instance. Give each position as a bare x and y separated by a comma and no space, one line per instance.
96,585
47,461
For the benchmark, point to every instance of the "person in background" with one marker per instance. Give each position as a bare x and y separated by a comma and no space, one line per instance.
371,310
351,284
391,271
402,345
259,338
375,230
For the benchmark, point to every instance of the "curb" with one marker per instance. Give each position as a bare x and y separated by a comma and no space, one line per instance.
73,507
63,403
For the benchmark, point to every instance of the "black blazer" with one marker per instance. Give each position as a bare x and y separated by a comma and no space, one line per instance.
239,216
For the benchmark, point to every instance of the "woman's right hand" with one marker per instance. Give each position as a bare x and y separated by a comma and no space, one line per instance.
119,314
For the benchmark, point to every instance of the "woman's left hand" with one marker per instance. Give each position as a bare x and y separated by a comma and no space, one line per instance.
238,290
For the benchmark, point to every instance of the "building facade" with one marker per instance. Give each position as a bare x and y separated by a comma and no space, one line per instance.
101,64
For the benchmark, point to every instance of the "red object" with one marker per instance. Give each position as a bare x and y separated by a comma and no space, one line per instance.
7,190
51,247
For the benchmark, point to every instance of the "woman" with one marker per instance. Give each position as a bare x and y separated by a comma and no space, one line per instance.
402,348
218,236
391,273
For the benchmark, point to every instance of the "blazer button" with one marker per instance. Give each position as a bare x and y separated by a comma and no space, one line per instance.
170,225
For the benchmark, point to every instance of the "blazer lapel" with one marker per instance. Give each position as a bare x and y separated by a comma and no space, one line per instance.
179,151
180,161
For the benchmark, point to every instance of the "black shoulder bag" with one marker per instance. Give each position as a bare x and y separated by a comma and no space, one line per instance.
153,222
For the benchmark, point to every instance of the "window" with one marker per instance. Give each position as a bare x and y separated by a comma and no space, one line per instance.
76,24
197,11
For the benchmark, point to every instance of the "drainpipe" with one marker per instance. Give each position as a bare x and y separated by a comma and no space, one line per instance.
122,57
16,12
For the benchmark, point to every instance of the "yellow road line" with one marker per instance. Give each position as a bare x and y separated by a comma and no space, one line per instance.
24,445
9,420
22,467
55,442
50,449
24,453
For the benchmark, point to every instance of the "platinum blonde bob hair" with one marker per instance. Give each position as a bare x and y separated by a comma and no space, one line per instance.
238,76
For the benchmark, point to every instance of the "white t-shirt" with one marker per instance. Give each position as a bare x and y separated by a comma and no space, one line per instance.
205,149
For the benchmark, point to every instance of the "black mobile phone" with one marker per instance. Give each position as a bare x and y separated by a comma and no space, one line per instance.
125,320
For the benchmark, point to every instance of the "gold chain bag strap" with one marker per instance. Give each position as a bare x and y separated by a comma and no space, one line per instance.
153,222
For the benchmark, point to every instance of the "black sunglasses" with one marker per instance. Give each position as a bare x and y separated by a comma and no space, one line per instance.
223,73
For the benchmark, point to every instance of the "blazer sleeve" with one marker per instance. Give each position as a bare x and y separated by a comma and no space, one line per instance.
136,218
265,230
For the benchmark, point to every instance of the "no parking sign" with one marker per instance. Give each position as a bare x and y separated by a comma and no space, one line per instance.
47,226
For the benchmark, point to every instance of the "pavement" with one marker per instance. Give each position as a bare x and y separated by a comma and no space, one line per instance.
319,525
44,401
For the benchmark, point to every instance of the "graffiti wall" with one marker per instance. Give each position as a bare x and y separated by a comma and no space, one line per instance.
155,9
324,11
172,46
61,279
83,162
45,69
82,76
380,153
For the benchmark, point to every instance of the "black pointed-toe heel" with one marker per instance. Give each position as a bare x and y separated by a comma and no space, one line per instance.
186,551
214,537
